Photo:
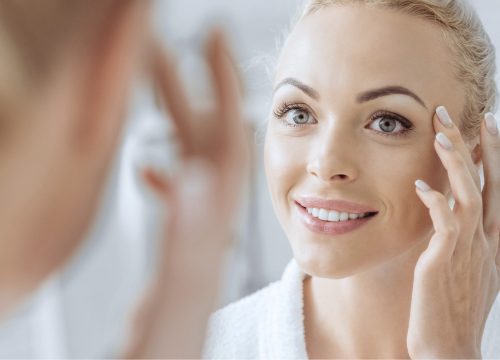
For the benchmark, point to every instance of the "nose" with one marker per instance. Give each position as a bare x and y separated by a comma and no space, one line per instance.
333,159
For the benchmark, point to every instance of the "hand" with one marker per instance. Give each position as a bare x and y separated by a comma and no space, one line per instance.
201,203
457,278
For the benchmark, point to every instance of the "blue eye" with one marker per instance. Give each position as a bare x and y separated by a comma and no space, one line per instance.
294,115
386,125
389,124
298,117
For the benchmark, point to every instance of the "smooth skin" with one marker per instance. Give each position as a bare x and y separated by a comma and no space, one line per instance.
361,299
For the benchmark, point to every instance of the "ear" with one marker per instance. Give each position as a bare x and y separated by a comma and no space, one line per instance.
112,56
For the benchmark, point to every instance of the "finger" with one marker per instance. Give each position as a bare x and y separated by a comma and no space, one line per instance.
443,123
231,150
443,243
490,150
465,191
227,87
171,93
468,207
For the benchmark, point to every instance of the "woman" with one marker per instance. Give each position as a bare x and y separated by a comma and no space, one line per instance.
66,70
372,98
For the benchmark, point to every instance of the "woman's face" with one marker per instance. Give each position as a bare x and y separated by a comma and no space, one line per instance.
350,132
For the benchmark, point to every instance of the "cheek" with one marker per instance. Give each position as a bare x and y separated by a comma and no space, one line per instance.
396,183
284,166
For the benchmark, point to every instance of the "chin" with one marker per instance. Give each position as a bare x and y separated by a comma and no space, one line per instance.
326,261
322,261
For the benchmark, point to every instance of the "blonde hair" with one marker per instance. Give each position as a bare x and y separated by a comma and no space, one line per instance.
473,52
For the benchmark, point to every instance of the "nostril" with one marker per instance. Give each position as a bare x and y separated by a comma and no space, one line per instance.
341,176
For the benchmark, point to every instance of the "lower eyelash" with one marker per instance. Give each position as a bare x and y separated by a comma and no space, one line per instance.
404,132
401,133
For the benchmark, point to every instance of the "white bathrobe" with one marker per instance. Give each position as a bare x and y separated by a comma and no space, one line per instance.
269,324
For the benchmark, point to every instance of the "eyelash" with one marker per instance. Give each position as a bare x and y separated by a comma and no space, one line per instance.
285,107
405,123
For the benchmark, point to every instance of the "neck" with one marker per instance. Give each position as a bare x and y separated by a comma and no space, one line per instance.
363,316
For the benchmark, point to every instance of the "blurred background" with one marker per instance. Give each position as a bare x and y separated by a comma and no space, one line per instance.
82,311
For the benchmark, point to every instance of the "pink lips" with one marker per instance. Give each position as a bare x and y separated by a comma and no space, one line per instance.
332,227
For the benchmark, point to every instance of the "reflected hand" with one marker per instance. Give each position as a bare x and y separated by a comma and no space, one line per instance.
457,278
201,201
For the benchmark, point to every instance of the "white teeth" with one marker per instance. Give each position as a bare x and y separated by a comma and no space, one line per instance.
323,214
333,216
329,215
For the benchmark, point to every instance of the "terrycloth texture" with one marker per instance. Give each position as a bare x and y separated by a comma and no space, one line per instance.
269,324
265,325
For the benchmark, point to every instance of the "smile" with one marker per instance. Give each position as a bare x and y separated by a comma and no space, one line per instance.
332,222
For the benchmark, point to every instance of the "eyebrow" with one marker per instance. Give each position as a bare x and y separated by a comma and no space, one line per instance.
294,82
388,90
362,97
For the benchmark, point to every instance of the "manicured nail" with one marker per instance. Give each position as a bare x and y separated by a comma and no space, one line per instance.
444,141
491,124
422,186
444,117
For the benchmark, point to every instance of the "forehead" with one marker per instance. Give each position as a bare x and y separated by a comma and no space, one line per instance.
358,47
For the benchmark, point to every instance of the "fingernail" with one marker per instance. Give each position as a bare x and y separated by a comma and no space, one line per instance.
422,186
444,141
491,124
444,117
